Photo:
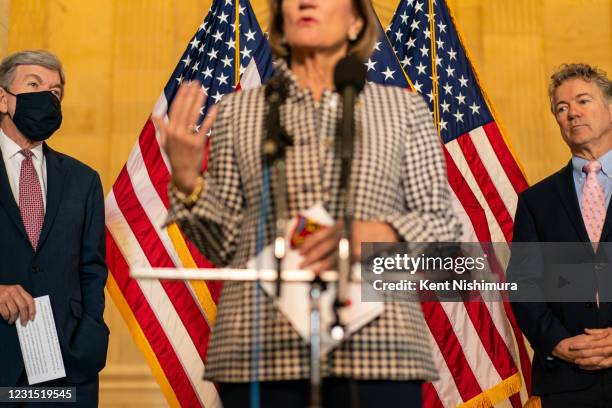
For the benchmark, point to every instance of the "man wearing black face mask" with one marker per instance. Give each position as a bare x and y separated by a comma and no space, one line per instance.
51,229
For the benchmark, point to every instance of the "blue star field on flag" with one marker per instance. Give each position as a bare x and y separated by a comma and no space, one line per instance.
382,66
210,56
461,103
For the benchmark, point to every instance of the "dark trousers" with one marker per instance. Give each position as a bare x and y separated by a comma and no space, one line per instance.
86,394
337,393
598,395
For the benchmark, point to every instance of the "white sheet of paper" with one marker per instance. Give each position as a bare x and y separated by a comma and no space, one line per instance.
294,301
39,343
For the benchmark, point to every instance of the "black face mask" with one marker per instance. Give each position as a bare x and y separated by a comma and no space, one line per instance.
37,114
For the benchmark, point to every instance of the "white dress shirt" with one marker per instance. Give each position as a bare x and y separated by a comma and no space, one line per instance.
12,163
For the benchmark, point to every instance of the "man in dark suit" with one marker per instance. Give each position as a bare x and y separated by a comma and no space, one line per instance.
572,341
52,229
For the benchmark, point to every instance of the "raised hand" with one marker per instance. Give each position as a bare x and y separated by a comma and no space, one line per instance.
182,141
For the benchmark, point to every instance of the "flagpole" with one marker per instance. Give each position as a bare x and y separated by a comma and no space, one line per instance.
237,57
434,68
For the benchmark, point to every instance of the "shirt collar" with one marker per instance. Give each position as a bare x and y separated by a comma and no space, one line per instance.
605,161
8,146
10,149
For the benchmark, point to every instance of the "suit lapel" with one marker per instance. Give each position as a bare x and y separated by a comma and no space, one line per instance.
55,184
567,193
607,227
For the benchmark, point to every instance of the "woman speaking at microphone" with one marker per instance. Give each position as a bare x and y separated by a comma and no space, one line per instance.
398,193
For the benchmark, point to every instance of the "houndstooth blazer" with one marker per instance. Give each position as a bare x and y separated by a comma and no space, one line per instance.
398,176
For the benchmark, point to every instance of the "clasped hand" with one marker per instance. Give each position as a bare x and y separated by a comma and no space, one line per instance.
590,351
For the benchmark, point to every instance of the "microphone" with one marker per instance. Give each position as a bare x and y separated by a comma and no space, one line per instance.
276,89
276,140
350,72
349,78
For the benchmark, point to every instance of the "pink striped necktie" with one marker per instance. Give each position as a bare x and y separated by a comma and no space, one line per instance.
30,199
593,202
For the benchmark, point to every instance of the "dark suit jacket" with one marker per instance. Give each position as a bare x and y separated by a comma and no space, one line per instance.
68,265
549,212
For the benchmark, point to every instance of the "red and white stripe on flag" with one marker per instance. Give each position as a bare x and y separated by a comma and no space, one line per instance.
478,348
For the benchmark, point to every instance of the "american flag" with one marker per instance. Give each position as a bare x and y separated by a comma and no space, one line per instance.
171,321
478,348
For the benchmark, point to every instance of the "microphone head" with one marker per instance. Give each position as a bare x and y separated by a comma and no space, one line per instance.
276,90
350,71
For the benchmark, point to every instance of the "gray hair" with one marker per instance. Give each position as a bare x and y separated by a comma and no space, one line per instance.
29,57
585,72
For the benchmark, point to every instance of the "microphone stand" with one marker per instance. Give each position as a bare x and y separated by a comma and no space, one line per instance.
274,149
345,147
316,289
349,77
